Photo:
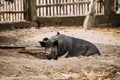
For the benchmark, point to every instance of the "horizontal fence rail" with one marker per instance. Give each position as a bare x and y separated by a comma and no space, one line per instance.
12,12
51,8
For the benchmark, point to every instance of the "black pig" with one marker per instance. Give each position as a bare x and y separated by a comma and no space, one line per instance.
60,44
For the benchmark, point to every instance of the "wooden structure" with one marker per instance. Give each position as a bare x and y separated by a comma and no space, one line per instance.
30,11
54,8
62,8
12,12
22,10
18,11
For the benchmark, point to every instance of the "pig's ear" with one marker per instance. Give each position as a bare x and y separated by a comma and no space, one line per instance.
42,43
55,43
45,39
58,33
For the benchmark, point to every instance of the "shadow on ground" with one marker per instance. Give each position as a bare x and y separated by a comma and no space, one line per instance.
7,40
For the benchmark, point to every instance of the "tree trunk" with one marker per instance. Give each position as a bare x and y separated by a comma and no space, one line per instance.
89,20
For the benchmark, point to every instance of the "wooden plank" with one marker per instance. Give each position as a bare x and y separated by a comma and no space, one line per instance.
62,4
31,50
12,11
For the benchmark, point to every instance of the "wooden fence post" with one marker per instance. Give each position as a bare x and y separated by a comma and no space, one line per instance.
26,10
109,11
32,13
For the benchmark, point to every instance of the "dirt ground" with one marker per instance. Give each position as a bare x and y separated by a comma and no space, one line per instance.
17,66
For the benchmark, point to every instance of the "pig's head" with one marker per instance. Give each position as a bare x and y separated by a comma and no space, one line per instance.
50,47
52,42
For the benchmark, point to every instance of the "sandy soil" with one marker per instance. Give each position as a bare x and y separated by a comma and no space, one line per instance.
17,66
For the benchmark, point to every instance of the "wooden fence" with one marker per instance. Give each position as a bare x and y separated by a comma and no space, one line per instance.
12,12
47,8
21,10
